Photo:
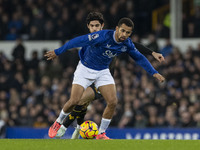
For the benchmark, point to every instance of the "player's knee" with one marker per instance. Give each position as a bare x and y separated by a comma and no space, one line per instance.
112,102
73,102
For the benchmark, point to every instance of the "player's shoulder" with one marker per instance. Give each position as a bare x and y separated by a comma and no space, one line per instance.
105,33
130,45
129,42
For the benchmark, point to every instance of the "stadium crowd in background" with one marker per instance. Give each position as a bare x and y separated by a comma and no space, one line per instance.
64,19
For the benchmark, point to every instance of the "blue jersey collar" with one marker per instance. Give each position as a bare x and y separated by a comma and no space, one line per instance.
115,39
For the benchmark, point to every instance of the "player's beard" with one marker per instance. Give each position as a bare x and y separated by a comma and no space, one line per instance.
122,39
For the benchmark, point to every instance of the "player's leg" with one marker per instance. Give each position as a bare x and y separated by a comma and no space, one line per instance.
109,94
80,117
82,79
80,120
76,93
88,96
106,86
92,94
78,112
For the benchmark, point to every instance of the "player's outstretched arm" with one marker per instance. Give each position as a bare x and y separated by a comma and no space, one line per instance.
80,41
50,55
159,77
143,62
145,50
159,57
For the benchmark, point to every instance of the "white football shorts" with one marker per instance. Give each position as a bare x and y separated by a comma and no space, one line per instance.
85,76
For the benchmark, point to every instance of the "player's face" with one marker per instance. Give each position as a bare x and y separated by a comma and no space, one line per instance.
95,26
122,32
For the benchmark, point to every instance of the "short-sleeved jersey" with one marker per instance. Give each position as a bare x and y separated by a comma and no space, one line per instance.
99,48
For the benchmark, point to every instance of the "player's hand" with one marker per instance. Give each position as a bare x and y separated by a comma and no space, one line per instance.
159,57
50,55
159,77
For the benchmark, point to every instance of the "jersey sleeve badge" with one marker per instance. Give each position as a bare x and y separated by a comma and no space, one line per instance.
93,36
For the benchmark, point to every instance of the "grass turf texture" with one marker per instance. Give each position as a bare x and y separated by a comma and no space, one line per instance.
61,144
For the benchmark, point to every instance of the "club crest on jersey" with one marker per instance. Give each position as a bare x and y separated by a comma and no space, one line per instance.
109,54
124,48
92,37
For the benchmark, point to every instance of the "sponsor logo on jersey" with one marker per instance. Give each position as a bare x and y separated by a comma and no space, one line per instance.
92,37
109,54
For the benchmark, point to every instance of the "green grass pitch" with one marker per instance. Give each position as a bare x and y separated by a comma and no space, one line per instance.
62,144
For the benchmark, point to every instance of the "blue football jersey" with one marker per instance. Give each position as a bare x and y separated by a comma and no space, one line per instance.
99,48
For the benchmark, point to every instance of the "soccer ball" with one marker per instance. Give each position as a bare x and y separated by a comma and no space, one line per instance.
88,130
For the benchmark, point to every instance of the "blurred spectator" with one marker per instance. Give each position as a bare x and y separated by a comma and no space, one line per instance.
34,62
167,49
22,119
34,33
153,43
12,34
186,120
191,23
140,120
126,119
161,31
3,26
19,50
161,123
25,31
49,30
40,123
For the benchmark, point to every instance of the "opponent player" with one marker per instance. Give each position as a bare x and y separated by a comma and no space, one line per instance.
95,22
97,51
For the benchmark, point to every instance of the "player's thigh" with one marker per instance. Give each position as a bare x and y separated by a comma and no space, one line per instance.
87,96
83,76
109,93
76,92
104,78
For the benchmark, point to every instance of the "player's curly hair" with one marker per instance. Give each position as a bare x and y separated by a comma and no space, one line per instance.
127,21
95,16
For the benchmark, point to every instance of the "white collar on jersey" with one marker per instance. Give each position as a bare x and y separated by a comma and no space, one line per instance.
115,39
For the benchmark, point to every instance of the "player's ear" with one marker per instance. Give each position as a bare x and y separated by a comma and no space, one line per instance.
116,28
102,26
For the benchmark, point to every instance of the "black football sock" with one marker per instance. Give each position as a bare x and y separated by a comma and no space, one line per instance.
80,118
72,116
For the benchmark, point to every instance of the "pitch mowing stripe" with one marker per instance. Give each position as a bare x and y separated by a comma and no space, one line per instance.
62,144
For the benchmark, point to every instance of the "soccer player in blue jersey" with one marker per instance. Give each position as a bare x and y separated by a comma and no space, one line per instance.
95,22
97,52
